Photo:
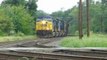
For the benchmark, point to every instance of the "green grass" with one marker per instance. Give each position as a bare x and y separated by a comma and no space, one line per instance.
96,40
16,38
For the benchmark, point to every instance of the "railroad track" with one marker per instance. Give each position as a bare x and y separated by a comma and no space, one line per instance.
20,55
40,43
90,52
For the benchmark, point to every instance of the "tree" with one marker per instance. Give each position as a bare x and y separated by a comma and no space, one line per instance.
32,8
22,13
41,13
22,20
58,14
103,16
30,5
16,18
6,24
14,2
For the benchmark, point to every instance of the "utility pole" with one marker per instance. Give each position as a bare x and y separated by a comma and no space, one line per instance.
80,20
88,19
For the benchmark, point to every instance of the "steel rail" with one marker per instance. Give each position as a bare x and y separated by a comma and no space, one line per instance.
84,53
49,55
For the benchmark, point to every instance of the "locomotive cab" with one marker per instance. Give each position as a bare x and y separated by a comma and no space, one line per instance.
44,27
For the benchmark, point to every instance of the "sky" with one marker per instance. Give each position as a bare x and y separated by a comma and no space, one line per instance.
50,6
1,1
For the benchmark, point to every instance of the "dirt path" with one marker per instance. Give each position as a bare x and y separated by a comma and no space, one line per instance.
40,42
13,43
55,43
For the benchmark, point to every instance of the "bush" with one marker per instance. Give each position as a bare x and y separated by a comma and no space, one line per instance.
19,34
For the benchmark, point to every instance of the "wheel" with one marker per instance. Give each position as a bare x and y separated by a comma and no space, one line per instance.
57,34
53,34
61,33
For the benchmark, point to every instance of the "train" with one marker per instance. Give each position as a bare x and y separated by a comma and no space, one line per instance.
50,27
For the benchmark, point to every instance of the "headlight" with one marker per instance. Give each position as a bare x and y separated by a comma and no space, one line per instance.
43,22
47,28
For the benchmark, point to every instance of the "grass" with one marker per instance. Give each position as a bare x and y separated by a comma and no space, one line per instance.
96,40
16,38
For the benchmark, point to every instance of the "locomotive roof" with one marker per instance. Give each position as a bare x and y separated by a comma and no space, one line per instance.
45,18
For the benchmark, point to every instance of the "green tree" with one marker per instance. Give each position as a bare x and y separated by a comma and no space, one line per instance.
58,14
30,5
32,8
103,15
22,14
14,2
6,24
41,13
22,21
18,16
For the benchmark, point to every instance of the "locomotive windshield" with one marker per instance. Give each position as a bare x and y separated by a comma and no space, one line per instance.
45,18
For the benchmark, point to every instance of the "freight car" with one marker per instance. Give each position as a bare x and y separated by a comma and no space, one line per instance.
49,27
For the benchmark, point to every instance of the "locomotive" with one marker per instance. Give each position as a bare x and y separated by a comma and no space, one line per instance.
49,27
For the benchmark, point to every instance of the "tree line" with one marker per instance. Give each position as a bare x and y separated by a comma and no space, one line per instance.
17,16
98,17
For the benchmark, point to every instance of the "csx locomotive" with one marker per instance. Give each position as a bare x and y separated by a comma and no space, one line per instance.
49,27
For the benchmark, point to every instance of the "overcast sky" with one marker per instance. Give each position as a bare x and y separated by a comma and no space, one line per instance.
50,6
